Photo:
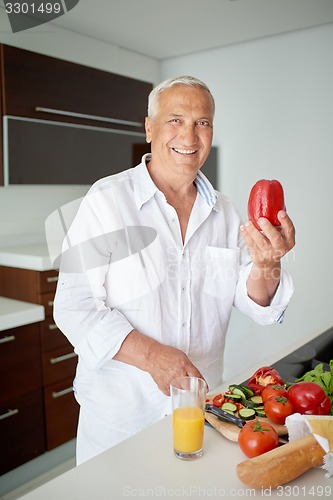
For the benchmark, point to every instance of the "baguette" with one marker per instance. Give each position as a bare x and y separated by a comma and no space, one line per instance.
281,465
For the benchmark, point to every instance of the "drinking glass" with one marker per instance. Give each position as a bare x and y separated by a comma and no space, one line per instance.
188,396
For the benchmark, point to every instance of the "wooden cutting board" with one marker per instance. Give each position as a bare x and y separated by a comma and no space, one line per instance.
231,431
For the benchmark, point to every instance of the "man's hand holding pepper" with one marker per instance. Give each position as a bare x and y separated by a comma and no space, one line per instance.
267,247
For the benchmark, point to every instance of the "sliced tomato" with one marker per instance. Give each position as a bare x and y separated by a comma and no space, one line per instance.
218,400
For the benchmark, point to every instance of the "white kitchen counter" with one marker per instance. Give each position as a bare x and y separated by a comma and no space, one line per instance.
29,256
144,466
14,313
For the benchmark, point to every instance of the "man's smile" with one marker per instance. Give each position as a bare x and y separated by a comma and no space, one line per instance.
185,151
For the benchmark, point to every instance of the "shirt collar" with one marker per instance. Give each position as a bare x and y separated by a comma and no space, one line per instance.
205,189
144,187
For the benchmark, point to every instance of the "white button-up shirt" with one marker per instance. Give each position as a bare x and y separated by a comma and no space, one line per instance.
125,266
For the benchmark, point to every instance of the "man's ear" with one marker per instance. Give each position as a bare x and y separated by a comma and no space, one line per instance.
148,131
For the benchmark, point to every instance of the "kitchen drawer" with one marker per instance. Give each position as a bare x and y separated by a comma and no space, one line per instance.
59,364
27,284
61,411
47,281
21,430
20,363
46,300
51,336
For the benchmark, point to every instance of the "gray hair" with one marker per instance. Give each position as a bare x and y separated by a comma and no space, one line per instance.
170,82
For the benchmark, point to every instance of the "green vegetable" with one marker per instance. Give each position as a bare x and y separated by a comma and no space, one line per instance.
229,407
260,412
321,377
247,414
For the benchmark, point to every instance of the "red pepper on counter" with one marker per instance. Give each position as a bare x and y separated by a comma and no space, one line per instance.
266,200
266,375
309,398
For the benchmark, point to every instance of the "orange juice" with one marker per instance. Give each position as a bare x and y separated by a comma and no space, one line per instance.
188,426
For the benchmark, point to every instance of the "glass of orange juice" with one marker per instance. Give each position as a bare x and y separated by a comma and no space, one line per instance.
188,396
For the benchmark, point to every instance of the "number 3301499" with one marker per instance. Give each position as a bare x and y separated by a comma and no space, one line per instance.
32,8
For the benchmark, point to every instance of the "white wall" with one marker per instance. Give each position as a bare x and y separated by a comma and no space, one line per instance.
23,209
274,120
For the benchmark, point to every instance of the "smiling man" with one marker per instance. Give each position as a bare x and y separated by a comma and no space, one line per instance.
163,309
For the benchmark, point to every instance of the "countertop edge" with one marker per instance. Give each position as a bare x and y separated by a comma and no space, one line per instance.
15,313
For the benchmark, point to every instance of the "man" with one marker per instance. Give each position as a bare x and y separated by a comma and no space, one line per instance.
151,267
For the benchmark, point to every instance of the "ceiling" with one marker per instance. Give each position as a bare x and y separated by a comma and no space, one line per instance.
168,28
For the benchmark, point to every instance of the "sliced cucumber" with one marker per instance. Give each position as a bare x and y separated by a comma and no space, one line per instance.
257,400
260,412
230,407
234,397
249,404
238,391
247,390
247,413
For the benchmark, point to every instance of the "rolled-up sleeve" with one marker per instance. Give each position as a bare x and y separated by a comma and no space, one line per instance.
274,313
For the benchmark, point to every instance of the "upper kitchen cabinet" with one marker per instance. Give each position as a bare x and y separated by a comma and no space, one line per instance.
64,123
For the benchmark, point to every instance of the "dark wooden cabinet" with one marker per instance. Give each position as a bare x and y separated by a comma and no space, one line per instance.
22,429
54,357
60,412
38,92
20,366
32,81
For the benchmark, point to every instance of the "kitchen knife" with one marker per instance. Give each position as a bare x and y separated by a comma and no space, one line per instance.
224,415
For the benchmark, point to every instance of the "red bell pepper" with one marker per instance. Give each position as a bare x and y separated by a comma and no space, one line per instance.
266,200
266,375
309,398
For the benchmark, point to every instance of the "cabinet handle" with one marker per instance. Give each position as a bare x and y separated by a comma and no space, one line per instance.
62,393
10,338
9,413
52,279
53,361
89,117
50,303
53,326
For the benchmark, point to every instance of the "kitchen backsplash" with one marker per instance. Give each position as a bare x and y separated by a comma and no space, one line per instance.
23,210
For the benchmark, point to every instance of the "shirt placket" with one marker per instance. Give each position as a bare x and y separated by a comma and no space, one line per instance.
185,299
183,282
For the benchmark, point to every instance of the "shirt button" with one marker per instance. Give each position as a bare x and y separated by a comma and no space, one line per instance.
184,324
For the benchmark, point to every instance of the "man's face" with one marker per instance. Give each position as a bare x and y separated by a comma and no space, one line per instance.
182,132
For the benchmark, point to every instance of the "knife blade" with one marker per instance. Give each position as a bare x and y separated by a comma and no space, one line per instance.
224,415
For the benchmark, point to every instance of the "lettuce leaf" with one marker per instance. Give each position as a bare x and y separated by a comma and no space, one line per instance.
321,377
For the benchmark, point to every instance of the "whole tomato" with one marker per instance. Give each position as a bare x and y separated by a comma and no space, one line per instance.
273,391
309,398
256,438
278,409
